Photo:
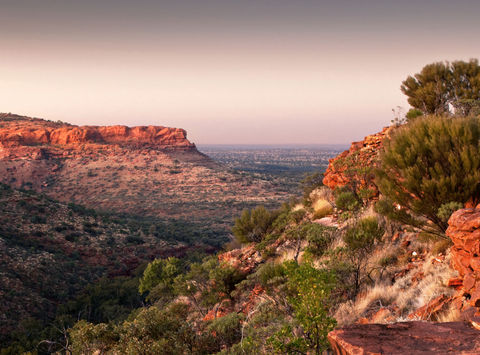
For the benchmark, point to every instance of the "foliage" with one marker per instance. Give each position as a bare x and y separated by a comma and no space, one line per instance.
446,210
152,331
363,235
347,201
224,278
360,240
309,291
429,162
253,224
318,237
413,113
270,273
158,278
227,329
443,84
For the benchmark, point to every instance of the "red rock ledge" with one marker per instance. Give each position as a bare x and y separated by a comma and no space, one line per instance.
406,338
21,136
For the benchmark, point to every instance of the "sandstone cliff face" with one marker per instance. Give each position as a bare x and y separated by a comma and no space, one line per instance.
353,166
27,137
464,230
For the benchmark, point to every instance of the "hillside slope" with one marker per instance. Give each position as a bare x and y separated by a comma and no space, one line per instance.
328,267
49,251
150,170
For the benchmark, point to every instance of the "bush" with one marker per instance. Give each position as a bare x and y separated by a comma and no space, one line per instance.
360,240
227,329
446,210
363,234
347,201
253,225
270,272
160,272
427,163
319,238
310,300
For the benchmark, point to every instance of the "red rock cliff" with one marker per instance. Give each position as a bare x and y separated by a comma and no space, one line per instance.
464,230
348,167
17,132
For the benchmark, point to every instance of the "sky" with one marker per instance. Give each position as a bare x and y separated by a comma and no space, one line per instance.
227,71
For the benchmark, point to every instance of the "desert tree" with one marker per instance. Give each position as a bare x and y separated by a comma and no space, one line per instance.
442,87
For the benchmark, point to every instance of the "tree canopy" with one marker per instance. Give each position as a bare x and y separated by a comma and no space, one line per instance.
443,88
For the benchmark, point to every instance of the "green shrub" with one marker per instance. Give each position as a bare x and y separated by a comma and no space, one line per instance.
309,297
363,234
270,272
360,240
253,224
441,86
347,201
427,163
227,329
319,239
160,272
446,210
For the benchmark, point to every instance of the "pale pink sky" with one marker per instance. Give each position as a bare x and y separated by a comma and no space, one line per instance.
227,71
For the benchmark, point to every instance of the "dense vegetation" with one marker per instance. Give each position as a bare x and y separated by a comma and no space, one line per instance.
191,307
52,253
428,163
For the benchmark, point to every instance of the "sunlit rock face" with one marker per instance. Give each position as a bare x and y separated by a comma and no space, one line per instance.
406,338
29,137
345,168
464,230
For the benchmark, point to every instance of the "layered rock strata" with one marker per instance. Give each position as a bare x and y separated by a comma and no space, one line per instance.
22,137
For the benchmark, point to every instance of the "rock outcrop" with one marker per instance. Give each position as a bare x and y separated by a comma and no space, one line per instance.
243,259
406,338
464,230
29,137
353,166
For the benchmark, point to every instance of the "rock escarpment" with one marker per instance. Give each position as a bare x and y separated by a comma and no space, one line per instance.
148,170
464,230
354,166
22,137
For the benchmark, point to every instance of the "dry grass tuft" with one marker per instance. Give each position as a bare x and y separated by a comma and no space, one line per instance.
321,193
321,208
404,293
